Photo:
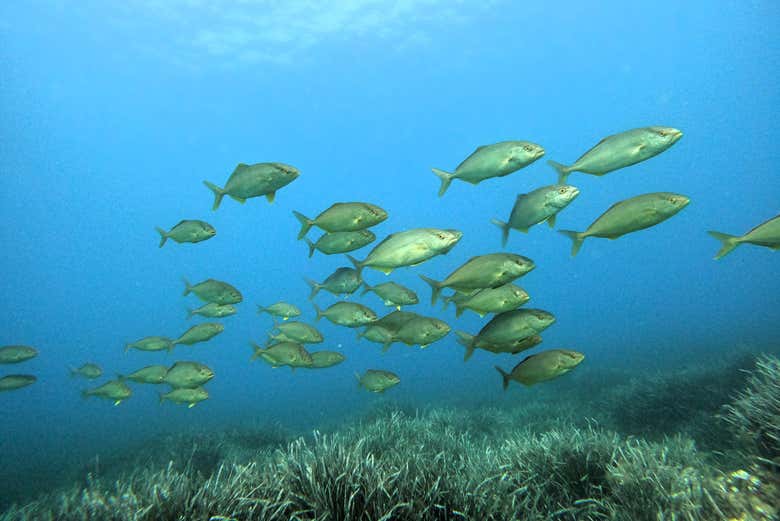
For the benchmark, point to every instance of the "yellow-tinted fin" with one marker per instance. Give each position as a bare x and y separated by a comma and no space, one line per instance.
270,196
191,405
117,402
386,271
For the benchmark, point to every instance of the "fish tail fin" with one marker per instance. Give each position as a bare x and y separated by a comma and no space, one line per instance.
219,193
504,376
315,287
190,313
187,287
366,289
466,341
127,347
257,351
563,171
306,224
162,397
459,310
318,311
312,247
435,288
576,237
445,178
260,309
85,394
357,264
357,377
728,243
163,235
504,230
72,371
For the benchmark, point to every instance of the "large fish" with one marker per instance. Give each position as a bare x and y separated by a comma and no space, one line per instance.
283,310
188,375
408,248
283,353
343,217
254,181
190,396
542,367
422,331
378,334
212,290
620,150
294,331
12,382
89,371
343,281
514,347
347,314
377,381
765,234
115,390
188,231
323,359
340,242
630,215
489,300
542,204
16,354
496,160
200,333
509,327
212,310
393,294
151,343
151,374
483,271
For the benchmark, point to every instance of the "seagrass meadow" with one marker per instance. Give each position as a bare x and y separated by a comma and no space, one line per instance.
389,260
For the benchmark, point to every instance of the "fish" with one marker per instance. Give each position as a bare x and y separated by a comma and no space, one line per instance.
323,359
187,231
212,310
343,281
513,347
283,353
212,290
377,381
393,294
115,390
422,331
542,367
190,396
489,300
765,234
393,321
151,374
12,382
347,314
151,343
378,334
620,150
188,374
488,161
298,332
17,354
408,248
340,242
88,370
343,217
630,215
200,333
483,271
509,327
542,204
282,310
259,179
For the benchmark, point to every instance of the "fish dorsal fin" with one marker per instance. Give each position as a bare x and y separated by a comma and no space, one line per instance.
241,166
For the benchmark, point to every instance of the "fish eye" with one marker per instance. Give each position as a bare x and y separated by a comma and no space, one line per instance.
528,148
662,133
562,190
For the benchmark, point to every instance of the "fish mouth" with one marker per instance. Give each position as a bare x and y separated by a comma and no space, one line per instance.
676,135
539,153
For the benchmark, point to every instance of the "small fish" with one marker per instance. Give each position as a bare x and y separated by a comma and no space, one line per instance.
393,294
151,343
283,353
542,367
343,217
212,290
299,332
12,382
187,231
347,314
377,381
188,375
260,179
16,354
88,371
282,310
630,215
393,321
620,150
115,390
422,331
323,359
496,160
408,248
340,242
343,281
151,374
765,234
513,347
200,333
489,300
212,310
543,204
483,271
378,334
190,396
511,326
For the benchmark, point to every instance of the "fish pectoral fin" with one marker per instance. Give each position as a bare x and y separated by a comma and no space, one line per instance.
237,198
270,196
117,402
191,405
551,221
386,271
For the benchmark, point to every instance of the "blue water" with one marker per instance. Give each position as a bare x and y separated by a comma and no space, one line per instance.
112,117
